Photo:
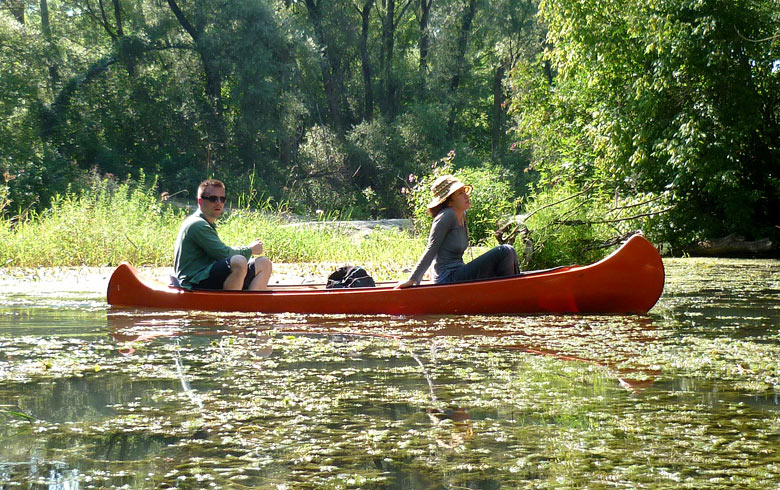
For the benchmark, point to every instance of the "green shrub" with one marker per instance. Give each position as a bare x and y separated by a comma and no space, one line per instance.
379,155
492,200
555,244
322,175
569,225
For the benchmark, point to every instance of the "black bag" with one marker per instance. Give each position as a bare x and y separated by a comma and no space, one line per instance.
350,276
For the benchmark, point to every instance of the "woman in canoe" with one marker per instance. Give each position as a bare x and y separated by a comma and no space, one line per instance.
449,238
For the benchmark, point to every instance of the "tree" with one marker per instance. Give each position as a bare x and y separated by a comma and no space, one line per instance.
392,15
15,7
667,96
252,91
332,68
425,41
515,38
365,58
459,68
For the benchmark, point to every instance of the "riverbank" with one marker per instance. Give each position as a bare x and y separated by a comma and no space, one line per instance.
130,224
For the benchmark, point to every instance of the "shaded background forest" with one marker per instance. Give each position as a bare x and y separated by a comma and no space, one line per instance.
666,110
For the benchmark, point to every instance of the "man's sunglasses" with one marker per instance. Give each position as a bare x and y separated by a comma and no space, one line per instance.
214,198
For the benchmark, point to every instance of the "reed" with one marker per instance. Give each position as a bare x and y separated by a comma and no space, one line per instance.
113,222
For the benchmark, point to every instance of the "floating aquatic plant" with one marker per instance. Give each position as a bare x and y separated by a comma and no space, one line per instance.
684,398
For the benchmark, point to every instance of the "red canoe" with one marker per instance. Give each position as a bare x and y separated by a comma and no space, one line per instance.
630,280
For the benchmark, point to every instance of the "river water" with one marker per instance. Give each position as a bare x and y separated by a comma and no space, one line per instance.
685,397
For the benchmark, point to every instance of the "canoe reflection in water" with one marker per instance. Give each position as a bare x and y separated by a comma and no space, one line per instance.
370,354
610,342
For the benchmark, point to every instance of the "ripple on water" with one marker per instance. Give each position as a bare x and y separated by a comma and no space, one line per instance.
685,397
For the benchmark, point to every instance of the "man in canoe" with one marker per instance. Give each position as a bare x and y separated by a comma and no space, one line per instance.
202,261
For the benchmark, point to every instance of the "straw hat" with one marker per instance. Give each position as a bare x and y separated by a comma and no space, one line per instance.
445,186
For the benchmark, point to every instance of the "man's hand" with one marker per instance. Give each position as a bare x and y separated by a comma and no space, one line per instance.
257,247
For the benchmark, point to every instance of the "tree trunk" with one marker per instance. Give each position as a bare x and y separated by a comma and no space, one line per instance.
388,45
105,23
463,39
118,17
211,72
388,103
732,246
547,66
328,67
16,7
460,59
368,98
499,113
213,83
425,41
54,76
128,57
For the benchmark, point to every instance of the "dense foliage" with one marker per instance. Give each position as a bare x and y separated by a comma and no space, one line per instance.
326,104
675,97
333,105
491,200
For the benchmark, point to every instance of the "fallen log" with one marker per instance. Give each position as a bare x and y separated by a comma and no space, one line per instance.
732,246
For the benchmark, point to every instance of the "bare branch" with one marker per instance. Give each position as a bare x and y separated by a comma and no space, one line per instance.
570,212
105,23
568,198
118,16
770,38
194,34
403,12
611,242
616,220
628,206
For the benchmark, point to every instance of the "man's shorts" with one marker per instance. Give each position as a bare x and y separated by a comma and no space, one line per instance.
220,271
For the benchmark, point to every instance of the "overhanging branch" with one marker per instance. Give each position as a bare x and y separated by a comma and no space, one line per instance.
578,222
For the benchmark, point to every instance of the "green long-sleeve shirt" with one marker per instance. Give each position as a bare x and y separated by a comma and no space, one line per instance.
197,248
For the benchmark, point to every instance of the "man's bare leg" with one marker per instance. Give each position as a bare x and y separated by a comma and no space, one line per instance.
263,269
238,268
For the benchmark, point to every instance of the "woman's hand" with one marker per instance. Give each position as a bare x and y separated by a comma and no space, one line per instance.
406,284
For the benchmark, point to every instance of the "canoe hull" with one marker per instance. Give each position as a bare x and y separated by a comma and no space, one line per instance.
630,280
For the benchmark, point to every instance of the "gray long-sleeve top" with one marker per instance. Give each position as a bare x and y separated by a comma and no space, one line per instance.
446,243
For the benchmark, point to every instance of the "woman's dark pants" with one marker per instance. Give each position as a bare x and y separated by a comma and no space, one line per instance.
496,262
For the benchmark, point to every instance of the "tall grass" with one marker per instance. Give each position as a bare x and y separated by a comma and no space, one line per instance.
381,251
102,225
114,222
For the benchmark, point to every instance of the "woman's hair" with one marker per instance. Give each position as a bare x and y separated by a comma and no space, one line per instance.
438,208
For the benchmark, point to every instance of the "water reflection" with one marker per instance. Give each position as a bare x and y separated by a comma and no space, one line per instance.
51,476
611,342
687,396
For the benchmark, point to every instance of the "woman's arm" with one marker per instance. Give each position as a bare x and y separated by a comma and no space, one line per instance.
441,226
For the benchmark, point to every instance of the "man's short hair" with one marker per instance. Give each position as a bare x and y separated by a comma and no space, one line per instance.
209,183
